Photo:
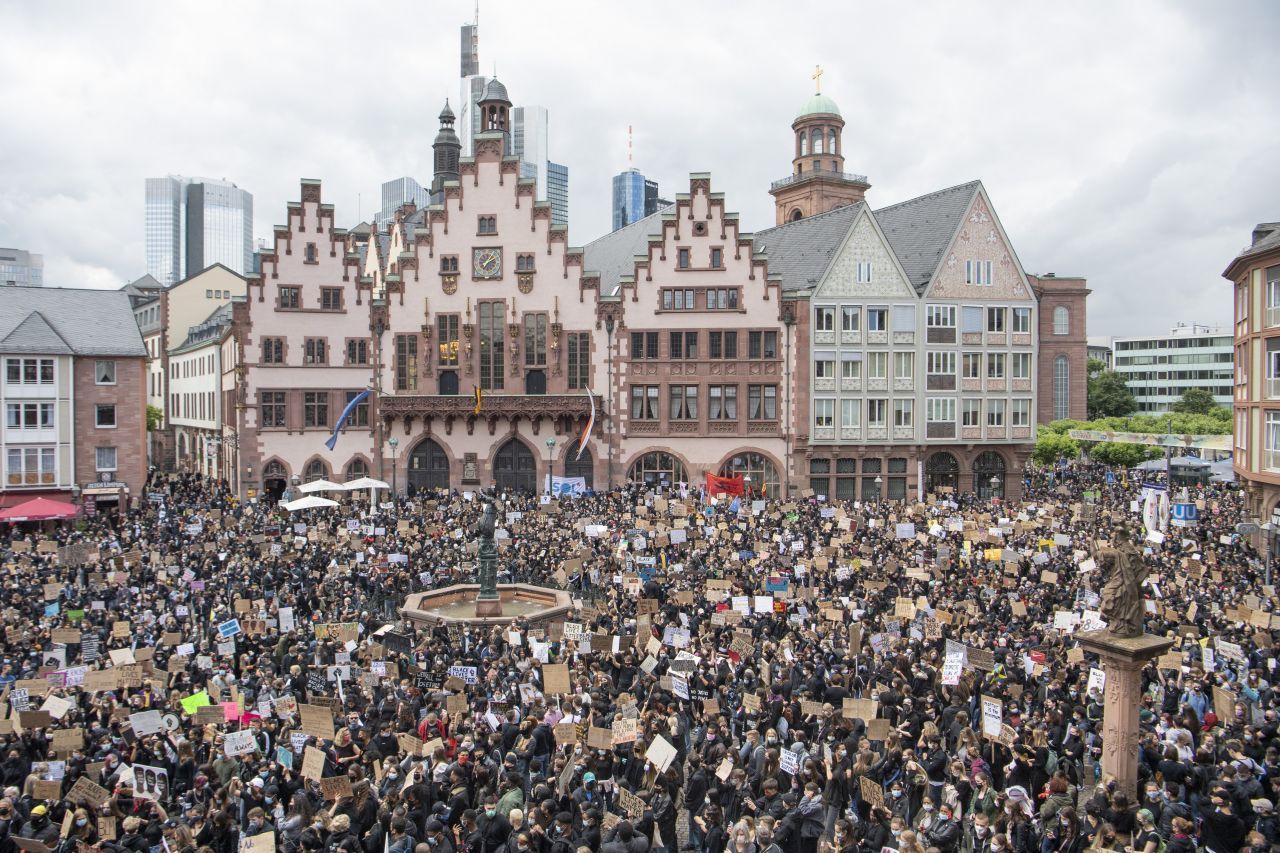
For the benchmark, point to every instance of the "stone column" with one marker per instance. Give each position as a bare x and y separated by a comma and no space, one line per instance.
1122,660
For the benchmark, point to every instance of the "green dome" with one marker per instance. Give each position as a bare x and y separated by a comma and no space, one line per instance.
816,105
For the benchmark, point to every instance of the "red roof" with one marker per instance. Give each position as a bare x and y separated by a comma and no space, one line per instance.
40,509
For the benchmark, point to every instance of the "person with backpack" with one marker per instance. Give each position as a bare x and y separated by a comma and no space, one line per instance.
1057,800
1145,837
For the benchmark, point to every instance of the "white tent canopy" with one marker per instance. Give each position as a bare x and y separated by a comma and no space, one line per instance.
321,486
309,502
365,483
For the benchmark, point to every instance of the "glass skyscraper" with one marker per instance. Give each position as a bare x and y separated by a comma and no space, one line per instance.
558,192
193,223
628,198
399,191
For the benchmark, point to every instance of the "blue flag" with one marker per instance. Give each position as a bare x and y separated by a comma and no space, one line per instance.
342,418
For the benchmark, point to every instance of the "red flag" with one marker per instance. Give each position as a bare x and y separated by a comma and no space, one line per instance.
725,485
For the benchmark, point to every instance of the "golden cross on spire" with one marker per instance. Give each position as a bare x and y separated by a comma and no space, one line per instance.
817,78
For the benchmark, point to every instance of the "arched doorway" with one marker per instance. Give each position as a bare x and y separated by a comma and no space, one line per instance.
274,480
757,470
515,469
356,469
584,467
428,466
316,470
988,475
657,469
941,470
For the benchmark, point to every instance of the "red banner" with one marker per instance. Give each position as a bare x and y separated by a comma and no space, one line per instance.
725,485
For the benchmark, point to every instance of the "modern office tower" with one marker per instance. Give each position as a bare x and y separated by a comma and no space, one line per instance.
1160,369
194,223
529,143
401,191
20,268
558,192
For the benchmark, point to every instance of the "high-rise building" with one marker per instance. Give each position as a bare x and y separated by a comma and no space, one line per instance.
558,192
472,92
634,197
529,143
471,48
194,223
401,191
1160,369
20,268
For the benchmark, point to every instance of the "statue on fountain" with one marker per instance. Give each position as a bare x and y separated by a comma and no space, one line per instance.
1122,604
488,603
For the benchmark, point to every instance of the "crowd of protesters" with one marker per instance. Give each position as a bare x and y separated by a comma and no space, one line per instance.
751,675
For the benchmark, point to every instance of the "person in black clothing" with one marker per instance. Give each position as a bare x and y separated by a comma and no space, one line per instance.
1221,830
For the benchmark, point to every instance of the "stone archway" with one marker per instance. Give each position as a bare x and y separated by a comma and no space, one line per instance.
428,466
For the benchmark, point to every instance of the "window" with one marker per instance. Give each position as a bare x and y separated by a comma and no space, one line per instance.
824,319
29,415
360,414
682,258
722,402
971,365
315,351
995,413
105,459
1020,413
877,411
310,255
104,415
291,297
850,318
1022,321
717,258
104,372
315,408
762,402
940,362
904,365
940,316
31,466
357,351
877,319
850,411
877,365
995,365
722,298
331,298
864,272
824,366
977,272
524,263
448,263
1061,388
904,318
487,225
677,299
535,340
1061,320
1020,365
579,346
644,402
684,344
447,339
406,349
995,320
762,345
684,402
904,413
940,410
644,345
272,404
493,353
208,294
723,345
850,365
820,485
824,414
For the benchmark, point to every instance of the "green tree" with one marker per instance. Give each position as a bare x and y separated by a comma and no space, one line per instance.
1052,445
1115,453
155,415
1108,395
1196,401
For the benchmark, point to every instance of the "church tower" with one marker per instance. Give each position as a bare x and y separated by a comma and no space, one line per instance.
495,112
818,182
447,148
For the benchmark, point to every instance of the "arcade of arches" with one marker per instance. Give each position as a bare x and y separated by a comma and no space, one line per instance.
872,477
757,470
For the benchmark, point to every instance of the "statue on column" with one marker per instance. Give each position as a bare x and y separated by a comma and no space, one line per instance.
487,552
1122,603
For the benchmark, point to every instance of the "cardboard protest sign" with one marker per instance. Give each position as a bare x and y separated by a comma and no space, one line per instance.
335,787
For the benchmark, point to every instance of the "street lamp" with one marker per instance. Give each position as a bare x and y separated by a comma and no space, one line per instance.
995,484
393,443
878,482
551,448
746,481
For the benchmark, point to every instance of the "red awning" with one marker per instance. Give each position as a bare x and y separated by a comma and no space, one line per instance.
40,509
8,499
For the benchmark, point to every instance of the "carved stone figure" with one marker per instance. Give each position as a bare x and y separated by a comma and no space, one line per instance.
1122,604
487,569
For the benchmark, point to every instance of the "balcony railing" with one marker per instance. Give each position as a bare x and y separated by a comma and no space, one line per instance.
819,173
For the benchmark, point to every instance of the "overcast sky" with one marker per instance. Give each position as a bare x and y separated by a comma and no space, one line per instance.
1133,143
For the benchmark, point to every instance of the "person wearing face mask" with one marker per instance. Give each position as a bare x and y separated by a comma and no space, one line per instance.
257,823
494,827
977,838
39,827
437,838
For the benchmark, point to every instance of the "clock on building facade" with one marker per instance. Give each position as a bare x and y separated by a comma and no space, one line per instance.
487,263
